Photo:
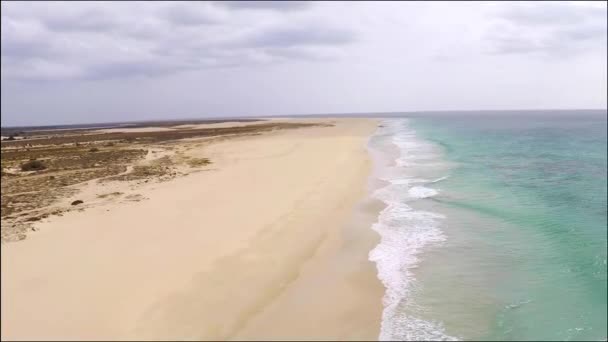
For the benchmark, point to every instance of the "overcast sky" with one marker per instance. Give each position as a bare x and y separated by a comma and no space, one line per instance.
75,62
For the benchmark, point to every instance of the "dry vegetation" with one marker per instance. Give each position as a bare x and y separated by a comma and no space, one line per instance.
39,172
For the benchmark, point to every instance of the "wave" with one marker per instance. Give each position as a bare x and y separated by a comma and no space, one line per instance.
422,192
517,304
439,179
407,181
404,233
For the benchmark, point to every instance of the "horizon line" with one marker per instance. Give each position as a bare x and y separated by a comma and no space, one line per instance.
345,114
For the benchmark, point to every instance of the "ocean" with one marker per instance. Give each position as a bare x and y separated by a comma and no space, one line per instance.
494,226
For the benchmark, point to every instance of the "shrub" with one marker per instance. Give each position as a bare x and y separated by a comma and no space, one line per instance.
195,162
93,149
33,165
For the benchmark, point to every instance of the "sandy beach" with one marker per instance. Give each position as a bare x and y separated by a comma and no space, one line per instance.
270,241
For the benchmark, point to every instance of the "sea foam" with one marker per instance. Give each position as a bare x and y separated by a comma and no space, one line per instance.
404,232
422,192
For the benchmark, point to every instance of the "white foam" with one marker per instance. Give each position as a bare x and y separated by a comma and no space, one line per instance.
518,304
422,192
414,329
407,181
439,179
391,193
404,233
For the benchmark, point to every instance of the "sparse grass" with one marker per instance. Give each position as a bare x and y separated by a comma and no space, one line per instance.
160,136
66,162
115,193
66,165
198,162
155,169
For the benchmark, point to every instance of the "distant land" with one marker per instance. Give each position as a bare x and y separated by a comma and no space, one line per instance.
8,130
23,130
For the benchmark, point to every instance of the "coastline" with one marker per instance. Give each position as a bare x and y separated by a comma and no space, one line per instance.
270,242
405,171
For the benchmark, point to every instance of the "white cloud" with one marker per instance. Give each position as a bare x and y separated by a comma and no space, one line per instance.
68,61
132,39
557,29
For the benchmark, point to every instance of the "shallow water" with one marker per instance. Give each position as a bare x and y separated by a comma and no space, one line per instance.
495,227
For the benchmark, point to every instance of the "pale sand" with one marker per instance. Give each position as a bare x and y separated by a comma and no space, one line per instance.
266,244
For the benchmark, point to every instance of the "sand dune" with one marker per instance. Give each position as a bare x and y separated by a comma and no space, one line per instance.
265,244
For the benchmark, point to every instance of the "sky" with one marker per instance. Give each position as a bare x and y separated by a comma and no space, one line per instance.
82,62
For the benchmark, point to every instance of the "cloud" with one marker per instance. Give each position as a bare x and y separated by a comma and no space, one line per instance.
91,19
295,36
96,61
36,69
24,39
188,16
535,15
265,5
99,40
550,29
326,53
130,69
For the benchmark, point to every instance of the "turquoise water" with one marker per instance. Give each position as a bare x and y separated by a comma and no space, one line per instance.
517,247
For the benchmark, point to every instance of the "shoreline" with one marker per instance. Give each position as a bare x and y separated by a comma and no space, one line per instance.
264,244
401,178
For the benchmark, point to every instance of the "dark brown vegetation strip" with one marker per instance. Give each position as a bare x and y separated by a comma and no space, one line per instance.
152,137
